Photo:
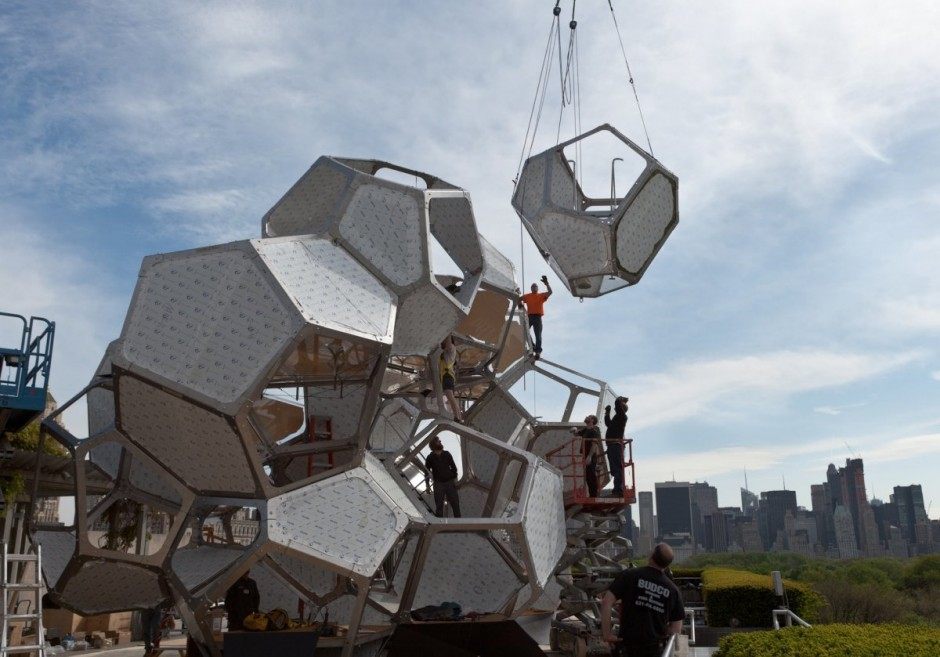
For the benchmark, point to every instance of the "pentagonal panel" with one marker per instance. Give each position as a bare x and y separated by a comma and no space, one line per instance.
544,522
645,223
342,520
581,246
312,204
345,297
207,322
197,445
498,271
386,225
101,586
196,565
451,220
465,568
498,415
58,548
425,317
393,426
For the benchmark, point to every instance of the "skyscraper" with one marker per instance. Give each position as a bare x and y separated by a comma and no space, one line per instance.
674,508
704,503
748,502
854,497
823,514
774,505
845,533
911,512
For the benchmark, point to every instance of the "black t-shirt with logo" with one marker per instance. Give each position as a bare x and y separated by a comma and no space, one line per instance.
649,601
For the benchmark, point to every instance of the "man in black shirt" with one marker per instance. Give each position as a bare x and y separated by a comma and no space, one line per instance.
590,449
443,471
650,607
241,599
616,427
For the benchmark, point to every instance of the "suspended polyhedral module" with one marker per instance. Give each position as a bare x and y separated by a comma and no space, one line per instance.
596,244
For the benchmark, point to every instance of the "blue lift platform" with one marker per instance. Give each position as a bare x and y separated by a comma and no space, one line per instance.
24,369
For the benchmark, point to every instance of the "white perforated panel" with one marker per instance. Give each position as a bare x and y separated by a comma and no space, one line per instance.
544,522
483,461
310,205
100,410
452,223
530,193
329,286
383,480
208,322
386,226
464,568
644,223
102,586
196,445
498,270
342,404
57,550
342,520
497,416
561,187
313,577
581,245
150,480
195,565
425,317
393,426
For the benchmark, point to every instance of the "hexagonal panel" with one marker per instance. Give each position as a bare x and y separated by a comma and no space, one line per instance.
465,568
207,323
100,587
544,522
346,520
199,446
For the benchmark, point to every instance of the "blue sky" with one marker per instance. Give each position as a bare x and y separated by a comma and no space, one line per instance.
791,319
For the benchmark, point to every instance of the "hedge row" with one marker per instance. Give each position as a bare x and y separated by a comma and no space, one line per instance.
750,598
835,640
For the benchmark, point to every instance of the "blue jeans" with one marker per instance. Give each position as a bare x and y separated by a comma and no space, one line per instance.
615,461
535,323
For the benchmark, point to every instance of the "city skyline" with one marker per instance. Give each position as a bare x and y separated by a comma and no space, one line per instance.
842,520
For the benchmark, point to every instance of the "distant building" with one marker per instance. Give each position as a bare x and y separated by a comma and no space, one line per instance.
822,512
674,508
774,505
704,503
749,502
48,511
911,511
747,535
644,544
845,533
897,544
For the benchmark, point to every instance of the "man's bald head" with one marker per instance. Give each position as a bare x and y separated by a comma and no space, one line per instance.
661,556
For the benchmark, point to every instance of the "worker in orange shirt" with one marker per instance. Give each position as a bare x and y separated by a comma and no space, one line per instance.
535,307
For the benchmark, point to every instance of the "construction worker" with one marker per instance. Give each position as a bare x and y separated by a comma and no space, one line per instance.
651,607
443,471
535,307
616,428
241,599
590,449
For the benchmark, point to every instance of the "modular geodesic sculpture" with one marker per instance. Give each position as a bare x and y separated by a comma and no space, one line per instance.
268,406
596,245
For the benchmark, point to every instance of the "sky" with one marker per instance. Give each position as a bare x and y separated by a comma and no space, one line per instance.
790,321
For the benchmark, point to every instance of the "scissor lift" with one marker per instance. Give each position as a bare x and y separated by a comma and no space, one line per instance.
596,550
24,369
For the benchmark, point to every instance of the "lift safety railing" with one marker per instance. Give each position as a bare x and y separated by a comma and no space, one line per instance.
789,618
24,369
570,459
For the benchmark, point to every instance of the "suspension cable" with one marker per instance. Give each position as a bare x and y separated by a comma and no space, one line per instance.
539,99
636,96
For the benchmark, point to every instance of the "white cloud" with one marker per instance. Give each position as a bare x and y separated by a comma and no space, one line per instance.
709,388
935,375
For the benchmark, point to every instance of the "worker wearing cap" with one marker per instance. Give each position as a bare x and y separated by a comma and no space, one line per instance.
535,307
440,463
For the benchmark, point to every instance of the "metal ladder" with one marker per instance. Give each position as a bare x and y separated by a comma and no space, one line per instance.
11,589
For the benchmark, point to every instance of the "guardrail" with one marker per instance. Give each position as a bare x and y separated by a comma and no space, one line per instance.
789,616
